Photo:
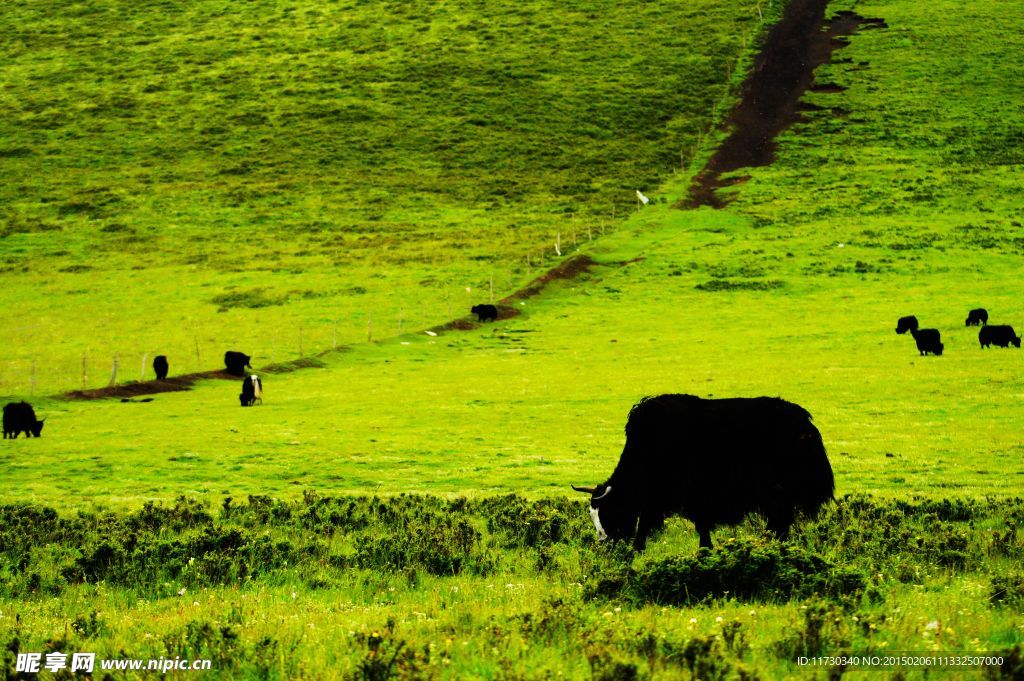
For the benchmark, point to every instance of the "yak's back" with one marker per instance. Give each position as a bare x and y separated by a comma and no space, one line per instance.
718,421
727,449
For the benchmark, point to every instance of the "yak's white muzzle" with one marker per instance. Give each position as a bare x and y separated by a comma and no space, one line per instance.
595,515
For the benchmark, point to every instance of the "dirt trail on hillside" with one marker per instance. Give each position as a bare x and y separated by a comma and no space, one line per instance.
570,268
770,98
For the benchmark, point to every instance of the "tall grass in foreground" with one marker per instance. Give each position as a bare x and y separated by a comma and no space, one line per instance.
422,587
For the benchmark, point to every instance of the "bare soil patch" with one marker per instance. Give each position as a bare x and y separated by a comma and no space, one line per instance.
770,99
129,390
569,269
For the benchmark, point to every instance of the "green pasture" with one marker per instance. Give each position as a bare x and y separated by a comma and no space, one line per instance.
536,402
275,540
213,175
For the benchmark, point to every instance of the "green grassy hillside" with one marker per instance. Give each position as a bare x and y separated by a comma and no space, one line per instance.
220,175
292,553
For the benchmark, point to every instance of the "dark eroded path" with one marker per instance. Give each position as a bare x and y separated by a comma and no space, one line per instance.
770,99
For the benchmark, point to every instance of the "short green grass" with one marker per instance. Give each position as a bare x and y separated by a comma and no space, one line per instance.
905,204
182,180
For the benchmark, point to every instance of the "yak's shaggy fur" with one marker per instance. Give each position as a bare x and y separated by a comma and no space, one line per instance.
904,324
998,334
19,417
928,341
713,462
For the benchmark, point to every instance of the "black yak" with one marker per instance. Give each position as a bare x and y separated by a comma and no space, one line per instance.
160,367
712,462
20,418
485,313
236,362
977,317
904,324
928,340
252,391
998,334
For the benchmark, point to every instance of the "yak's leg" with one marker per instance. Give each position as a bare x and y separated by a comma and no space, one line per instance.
649,522
779,521
705,536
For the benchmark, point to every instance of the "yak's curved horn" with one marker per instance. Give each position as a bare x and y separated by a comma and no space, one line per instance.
587,490
604,495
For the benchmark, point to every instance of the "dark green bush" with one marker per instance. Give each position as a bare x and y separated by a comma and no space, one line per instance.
438,545
743,570
1008,590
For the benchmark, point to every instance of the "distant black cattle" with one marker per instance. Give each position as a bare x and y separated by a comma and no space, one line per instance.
20,418
485,313
712,462
160,367
998,334
904,324
977,317
928,341
236,362
252,391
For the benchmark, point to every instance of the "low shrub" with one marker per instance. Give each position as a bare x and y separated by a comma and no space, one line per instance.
744,570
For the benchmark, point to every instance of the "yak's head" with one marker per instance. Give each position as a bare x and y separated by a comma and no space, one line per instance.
1016,341
613,516
37,428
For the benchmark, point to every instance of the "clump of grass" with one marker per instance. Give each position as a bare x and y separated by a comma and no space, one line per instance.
1008,590
744,570
715,285
385,656
524,523
252,298
823,630
439,545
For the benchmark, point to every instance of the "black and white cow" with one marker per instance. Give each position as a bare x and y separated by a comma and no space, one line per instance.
252,391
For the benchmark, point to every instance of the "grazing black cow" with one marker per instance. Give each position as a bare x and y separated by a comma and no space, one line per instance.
252,391
998,334
928,340
485,313
904,324
236,362
712,462
977,317
20,418
160,367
